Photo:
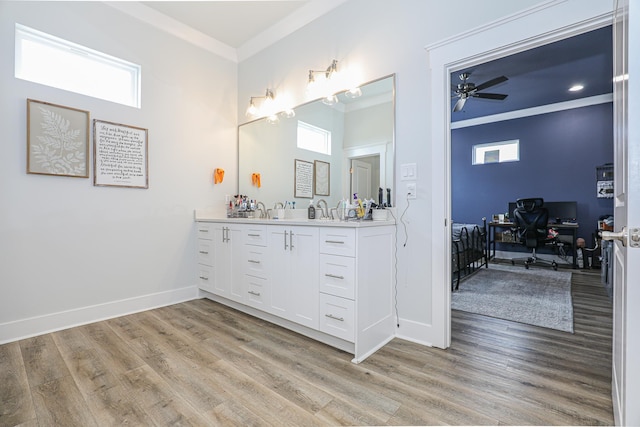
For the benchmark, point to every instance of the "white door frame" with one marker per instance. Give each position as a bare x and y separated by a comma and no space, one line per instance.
550,21
626,260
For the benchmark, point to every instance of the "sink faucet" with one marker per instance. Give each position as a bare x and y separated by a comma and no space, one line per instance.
324,210
263,209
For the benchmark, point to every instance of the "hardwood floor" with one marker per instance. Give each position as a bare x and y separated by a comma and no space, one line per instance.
200,363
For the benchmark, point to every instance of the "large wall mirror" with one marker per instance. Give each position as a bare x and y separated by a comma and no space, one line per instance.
354,139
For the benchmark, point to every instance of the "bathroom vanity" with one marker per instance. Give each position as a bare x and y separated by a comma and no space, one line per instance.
329,280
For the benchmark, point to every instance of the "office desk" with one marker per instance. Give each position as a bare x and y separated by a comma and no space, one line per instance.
561,228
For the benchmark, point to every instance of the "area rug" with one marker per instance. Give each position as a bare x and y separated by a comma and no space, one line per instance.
535,296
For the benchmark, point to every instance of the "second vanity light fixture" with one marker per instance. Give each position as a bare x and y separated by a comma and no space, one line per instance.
327,83
269,108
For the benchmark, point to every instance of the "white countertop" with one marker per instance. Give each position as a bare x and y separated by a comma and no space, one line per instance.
205,215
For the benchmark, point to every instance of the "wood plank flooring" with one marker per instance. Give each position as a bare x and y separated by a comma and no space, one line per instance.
200,363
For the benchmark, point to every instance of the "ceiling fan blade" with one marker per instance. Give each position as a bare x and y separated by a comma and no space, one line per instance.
491,82
498,96
459,105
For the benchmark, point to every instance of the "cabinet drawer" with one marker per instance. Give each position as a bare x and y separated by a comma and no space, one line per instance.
204,230
205,277
338,241
205,252
255,260
257,292
256,235
337,317
338,275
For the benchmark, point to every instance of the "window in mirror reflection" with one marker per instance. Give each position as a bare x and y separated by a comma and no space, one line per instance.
313,138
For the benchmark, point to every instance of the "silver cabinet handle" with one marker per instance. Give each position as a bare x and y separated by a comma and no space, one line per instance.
204,252
331,316
254,293
254,261
335,241
203,230
204,278
291,240
285,241
334,276
227,233
253,235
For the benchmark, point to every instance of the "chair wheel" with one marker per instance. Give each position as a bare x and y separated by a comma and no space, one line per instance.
526,265
554,265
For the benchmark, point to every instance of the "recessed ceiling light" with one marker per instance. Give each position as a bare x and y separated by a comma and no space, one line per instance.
576,88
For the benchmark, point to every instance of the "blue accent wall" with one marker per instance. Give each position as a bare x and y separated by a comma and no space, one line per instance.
559,153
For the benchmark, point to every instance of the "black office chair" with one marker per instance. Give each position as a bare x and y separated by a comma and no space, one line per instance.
530,219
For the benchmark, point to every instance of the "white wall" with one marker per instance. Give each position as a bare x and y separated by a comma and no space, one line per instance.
71,252
381,37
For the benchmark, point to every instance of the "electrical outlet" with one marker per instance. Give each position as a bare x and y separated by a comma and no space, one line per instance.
411,190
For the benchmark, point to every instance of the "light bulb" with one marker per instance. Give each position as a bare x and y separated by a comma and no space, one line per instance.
353,93
330,100
252,110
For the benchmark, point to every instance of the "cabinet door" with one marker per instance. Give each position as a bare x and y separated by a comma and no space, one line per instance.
304,276
279,260
227,247
234,266
221,259
293,259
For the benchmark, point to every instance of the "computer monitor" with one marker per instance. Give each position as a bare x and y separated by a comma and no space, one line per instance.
558,211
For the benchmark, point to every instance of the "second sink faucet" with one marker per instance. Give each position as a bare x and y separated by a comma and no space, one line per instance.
263,209
324,210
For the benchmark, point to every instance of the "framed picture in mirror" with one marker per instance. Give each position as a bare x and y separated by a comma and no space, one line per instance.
321,177
303,179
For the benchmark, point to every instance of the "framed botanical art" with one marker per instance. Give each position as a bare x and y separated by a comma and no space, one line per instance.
57,140
321,177
120,155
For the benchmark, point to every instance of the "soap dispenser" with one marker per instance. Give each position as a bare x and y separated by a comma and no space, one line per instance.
311,211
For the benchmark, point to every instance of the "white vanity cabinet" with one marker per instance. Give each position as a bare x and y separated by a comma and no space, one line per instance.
255,269
218,259
331,281
338,282
293,258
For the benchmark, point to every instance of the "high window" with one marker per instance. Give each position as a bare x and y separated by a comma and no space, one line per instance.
313,138
52,61
496,152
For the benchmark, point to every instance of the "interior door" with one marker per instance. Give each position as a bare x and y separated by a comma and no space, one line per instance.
361,179
626,257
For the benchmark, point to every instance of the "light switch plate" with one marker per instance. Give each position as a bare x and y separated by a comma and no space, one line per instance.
408,172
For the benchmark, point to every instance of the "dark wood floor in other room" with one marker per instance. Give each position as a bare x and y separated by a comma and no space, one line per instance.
200,363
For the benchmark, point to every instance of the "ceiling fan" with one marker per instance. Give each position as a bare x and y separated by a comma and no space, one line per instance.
466,89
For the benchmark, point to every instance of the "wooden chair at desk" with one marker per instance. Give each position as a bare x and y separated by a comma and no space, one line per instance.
530,219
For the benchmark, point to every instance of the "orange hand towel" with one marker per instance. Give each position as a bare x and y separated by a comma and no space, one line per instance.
255,179
218,176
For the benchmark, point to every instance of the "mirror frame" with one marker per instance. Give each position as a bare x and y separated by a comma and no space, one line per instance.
350,152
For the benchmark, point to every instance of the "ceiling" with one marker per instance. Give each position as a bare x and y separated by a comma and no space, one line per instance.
543,75
233,29
237,29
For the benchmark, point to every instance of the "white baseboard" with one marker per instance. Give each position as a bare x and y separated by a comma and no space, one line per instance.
33,326
410,329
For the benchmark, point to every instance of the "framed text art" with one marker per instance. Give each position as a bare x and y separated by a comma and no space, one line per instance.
57,140
303,179
120,155
321,177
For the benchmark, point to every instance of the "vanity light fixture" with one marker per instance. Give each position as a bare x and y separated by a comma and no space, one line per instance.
576,88
327,83
269,108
